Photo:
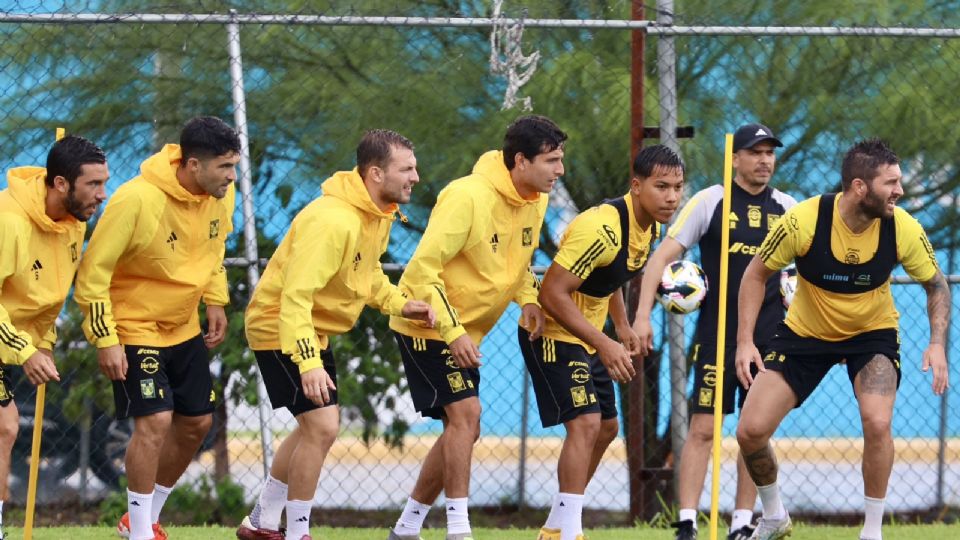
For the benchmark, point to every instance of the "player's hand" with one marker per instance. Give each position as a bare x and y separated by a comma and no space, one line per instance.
113,362
216,326
419,311
644,332
317,385
532,320
39,368
465,352
936,358
630,340
617,360
748,354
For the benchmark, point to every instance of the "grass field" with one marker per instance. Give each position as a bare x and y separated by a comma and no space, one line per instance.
801,532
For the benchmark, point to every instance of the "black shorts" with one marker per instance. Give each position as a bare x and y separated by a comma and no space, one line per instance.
704,358
281,377
804,361
567,380
433,377
6,388
160,379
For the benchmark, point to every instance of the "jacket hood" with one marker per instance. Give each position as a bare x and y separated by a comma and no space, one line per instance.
28,187
491,166
349,187
160,170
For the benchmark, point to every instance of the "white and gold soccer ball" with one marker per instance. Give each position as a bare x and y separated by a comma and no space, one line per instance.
682,287
788,284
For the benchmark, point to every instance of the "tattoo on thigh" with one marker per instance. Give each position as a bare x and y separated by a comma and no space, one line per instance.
762,466
878,377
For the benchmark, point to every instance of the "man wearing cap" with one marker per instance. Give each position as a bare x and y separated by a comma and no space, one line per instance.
755,208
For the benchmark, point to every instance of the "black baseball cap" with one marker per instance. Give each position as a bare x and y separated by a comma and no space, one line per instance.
751,134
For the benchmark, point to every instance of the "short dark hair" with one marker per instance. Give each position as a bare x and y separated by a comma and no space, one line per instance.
375,148
863,160
531,135
205,137
651,157
69,155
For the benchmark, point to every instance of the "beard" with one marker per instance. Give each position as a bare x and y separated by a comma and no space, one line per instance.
874,206
74,207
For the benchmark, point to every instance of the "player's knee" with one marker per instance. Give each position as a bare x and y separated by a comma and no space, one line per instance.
321,429
152,428
9,428
609,429
585,427
195,428
750,434
876,425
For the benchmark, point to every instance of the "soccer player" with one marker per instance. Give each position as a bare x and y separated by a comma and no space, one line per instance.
156,252
43,215
315,286
845,245
573,365
472,261
755,208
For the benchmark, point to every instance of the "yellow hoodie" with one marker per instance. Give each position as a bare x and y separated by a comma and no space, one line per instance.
325,270
474,257
38,258
156,251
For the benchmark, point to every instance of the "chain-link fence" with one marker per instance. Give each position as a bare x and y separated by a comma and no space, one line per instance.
304,84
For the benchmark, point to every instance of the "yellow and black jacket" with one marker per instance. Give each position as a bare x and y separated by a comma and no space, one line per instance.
38,259
474,257
156,251
325,270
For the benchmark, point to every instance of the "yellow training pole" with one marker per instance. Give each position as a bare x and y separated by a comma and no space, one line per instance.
721,332
35,448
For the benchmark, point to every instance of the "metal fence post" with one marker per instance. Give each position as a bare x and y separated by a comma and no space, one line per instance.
249,223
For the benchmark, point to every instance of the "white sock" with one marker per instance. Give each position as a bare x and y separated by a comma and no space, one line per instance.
160,494
138,505
553,519
770,499
688,514
872,518
571,509
411,520
740,517
458,520
273,498
298,518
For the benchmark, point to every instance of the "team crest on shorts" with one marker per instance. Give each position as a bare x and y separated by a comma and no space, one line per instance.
706,397
456,382
148,389
149,365
4,393
579,394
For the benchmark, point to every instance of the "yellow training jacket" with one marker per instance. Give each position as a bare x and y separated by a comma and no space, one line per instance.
156,251
325,270
474,257
38,258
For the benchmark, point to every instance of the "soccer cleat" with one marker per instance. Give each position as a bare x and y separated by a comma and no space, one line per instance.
685,530
773,529
395,536
743,533
548,534
246,531
123,529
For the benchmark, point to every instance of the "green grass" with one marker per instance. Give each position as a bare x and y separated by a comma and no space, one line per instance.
801,532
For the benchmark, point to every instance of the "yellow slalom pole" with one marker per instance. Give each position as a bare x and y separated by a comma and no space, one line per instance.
35,447
721,333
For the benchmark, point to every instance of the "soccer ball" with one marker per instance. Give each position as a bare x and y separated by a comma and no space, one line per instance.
788,284
682,287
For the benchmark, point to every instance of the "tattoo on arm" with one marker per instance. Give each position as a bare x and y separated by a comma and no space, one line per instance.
938,307
877,377
762,466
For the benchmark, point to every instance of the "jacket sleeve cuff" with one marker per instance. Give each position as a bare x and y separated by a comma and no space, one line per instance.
25,353
310,363
395,307
109,341
450,334
528,298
